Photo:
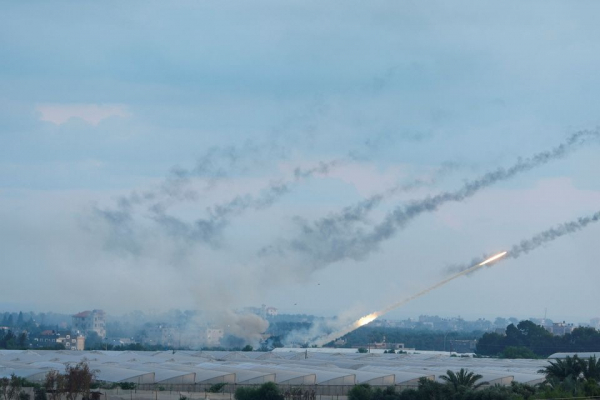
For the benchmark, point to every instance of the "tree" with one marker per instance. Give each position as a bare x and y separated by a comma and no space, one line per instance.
266,391
269,391
8,340
360,392
245,393
590,368
23,340
127,385
14,388
247,348
93,341
517,352
433,390
560,370
490,344
513,336
463,379
20,319
217,387
4,386
78,379
54,383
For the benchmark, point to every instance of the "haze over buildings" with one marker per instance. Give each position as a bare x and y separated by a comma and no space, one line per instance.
328,159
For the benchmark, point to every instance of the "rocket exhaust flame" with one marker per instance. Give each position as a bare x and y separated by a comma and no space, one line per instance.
366,319
523,247
493,258
373,316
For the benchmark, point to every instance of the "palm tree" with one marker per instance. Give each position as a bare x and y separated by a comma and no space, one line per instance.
563,369
462,378
590,368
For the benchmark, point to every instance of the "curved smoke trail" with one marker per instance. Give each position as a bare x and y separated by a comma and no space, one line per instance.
325,243
208,229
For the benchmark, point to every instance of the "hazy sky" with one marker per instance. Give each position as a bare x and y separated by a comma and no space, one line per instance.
212,155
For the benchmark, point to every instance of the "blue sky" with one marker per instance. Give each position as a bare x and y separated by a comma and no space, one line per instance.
101,102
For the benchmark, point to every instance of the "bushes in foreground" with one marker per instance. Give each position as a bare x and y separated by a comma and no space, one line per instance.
566,379
266,391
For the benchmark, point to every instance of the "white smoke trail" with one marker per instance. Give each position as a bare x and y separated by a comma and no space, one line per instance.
325,243
369,318
523,247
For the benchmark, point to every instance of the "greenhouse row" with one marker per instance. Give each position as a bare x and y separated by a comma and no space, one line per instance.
294,367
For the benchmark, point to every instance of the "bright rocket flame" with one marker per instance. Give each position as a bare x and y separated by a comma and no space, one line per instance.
493,258
366,319
371,317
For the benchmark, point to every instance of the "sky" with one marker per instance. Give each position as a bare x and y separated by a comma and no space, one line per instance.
216,155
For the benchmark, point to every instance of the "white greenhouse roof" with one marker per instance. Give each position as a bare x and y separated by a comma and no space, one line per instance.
284,366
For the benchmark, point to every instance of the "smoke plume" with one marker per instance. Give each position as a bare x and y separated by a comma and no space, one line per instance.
523,247
337,224
246,326
527,245
123,228
214,165
330,240
208,229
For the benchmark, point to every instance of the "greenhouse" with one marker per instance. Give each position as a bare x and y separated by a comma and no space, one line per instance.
327,371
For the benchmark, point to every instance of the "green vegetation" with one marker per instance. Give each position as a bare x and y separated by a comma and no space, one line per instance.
517,352
10,388
462,379
217,387
10,341
565,379
573,368
528,340
75,382
127,385
266,391
418,339
523,340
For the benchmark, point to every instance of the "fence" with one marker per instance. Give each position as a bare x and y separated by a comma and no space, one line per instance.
201,392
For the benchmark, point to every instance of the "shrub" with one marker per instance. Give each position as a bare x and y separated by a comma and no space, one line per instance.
360,392
217,387
266,391
127,385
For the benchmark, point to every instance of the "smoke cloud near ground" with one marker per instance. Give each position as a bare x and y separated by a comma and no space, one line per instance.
246,326
329,240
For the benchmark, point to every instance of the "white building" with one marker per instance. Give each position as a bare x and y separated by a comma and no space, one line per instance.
90,321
